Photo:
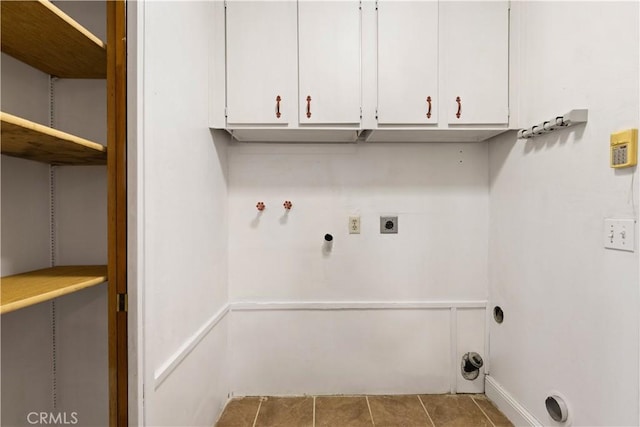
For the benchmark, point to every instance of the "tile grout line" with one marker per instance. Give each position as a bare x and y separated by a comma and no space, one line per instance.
482,410
314,411
255,420
370,413
425,410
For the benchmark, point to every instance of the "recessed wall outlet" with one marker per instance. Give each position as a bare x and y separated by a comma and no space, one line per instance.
619,234
354,225
388,225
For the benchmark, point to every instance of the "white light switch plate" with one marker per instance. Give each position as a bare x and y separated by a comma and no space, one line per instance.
619,234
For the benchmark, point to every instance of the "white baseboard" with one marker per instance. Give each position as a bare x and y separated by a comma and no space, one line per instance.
509,406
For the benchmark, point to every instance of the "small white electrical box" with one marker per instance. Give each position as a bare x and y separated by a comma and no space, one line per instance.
619,234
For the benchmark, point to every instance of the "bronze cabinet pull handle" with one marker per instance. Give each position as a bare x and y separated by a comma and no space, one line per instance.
429,111
278,99
459,101
308,107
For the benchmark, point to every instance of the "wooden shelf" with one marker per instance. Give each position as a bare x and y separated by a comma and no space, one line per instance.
41,35
29,140
23,290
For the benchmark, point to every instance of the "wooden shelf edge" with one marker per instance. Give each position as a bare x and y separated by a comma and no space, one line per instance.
33,287
26,139
73,23
40,34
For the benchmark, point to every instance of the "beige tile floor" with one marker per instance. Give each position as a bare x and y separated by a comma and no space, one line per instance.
446,410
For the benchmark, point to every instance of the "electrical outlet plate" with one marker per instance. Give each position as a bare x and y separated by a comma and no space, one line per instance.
619,234
354,225
388,225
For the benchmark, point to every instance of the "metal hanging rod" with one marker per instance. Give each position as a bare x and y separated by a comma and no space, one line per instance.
573,117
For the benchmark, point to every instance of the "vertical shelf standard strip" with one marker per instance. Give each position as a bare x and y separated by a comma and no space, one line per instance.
52,253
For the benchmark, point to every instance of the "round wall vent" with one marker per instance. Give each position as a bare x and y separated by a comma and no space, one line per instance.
557,408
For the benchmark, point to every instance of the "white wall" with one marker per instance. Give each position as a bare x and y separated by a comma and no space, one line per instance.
73,377
25,246
26,334
571,306
438,191
180,217
292,344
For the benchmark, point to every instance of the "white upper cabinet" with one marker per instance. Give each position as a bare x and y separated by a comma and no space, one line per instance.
262,62
329,62
450,57
293,63
318,70
475,61
408,62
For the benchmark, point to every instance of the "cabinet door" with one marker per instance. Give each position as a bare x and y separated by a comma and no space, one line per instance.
329,62
475,53
261,62
407,62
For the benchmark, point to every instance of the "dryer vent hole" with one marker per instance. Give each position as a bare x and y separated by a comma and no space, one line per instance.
498,314
557,408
